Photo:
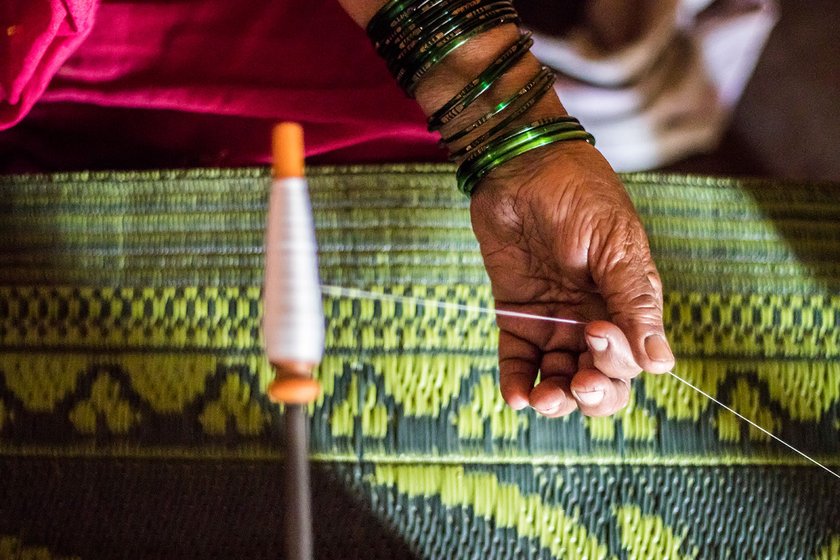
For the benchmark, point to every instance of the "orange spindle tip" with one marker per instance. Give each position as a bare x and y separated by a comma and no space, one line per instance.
293,385
287,150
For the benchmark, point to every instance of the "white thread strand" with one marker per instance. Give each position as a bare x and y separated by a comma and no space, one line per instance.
340,291
751,423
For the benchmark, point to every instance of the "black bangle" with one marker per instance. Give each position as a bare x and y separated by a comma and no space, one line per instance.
518,141
414,54
453,40
424,24
394,13
564,123
413,36
469,149
480,83
537,86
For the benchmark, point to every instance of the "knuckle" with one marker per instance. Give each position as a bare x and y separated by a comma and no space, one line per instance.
627,369
640,310
622,400
654,279
599,412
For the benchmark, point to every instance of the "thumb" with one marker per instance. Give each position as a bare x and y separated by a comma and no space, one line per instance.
630,285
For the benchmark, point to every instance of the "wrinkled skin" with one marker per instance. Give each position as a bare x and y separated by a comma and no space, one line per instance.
560,237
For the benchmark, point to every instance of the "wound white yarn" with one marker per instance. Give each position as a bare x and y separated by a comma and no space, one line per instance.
293,314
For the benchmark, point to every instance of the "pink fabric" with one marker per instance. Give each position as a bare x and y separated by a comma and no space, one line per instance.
302,60
37,36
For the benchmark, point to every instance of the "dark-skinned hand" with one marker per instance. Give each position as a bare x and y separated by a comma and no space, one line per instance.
560,238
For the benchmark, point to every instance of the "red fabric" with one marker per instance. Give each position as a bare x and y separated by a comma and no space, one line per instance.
268,60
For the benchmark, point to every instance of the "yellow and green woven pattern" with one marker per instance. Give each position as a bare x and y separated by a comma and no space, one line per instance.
133,421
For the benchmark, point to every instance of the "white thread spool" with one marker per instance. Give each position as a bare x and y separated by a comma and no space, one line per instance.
293,317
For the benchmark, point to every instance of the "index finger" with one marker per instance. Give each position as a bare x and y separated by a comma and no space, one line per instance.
518,365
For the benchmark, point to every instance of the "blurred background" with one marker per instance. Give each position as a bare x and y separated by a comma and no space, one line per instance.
787,124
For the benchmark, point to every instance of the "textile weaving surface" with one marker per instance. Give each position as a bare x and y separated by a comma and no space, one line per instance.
133,420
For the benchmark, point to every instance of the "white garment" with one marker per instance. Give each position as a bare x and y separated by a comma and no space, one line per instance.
668,94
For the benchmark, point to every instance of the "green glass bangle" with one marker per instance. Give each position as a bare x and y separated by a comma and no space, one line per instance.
450,43
517,136
521,110
521,141
385,13
538,85
416,53
422,25
413,36
469,179
524,132
482,140
480,83
405,56
394,13
497,149
420,30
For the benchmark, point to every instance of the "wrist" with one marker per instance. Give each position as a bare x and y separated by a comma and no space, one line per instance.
450,76
447,78
468,66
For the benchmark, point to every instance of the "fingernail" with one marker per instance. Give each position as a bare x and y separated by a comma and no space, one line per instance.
657,349
550,409
518,405
597,343
590,398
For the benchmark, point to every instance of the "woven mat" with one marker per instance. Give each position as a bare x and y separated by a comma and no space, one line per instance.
133,421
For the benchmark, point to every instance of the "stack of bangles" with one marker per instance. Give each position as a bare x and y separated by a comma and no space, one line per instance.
415,35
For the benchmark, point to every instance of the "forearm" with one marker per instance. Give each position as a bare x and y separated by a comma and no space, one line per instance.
448,77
